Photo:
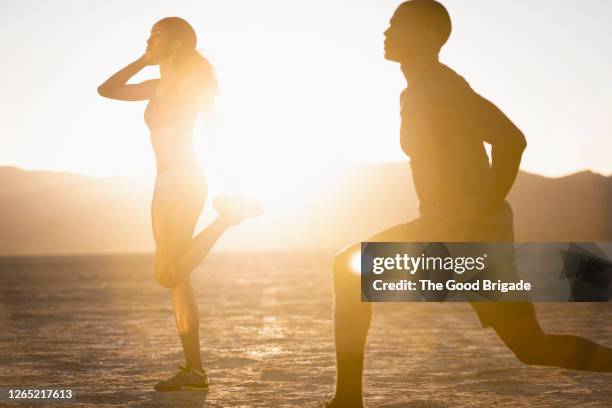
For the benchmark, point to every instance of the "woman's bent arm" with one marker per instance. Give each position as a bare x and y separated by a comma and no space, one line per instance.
115,87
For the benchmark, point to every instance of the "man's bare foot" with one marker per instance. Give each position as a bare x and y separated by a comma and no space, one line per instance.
337,403
235,209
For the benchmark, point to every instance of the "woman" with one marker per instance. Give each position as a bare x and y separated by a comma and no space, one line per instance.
186,87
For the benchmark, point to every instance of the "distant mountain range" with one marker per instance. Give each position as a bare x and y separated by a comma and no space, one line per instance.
62,213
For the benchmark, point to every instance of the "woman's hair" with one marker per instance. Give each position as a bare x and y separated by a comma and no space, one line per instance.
190,63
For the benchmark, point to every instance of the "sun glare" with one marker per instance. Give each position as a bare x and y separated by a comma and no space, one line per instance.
356,263
269,153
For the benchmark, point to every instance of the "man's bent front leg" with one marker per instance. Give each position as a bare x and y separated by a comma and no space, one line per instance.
351,325
351,317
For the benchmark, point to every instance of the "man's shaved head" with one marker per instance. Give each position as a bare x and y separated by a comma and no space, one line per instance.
426,14
417,26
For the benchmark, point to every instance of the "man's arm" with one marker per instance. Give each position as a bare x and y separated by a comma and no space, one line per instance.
507,146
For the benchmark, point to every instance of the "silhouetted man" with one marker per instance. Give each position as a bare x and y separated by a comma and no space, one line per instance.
461,198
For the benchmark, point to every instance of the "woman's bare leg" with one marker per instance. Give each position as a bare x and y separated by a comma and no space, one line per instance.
232,211
199,247
175,223
177,254
172,267
187,322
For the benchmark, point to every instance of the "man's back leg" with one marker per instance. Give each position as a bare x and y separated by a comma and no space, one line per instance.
532,346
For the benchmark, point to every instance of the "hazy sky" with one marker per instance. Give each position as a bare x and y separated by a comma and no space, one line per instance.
303,83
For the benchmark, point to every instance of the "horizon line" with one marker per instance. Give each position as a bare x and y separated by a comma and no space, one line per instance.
343,162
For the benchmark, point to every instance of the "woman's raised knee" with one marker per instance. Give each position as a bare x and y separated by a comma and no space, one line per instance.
166,276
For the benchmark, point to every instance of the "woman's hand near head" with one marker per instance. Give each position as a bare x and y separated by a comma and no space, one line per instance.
116,86
147,59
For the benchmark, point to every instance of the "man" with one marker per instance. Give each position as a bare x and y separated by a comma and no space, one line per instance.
461,198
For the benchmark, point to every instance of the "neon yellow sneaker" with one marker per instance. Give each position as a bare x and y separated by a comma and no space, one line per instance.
187,378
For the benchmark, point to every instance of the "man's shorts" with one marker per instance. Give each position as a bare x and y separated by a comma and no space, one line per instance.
461,221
